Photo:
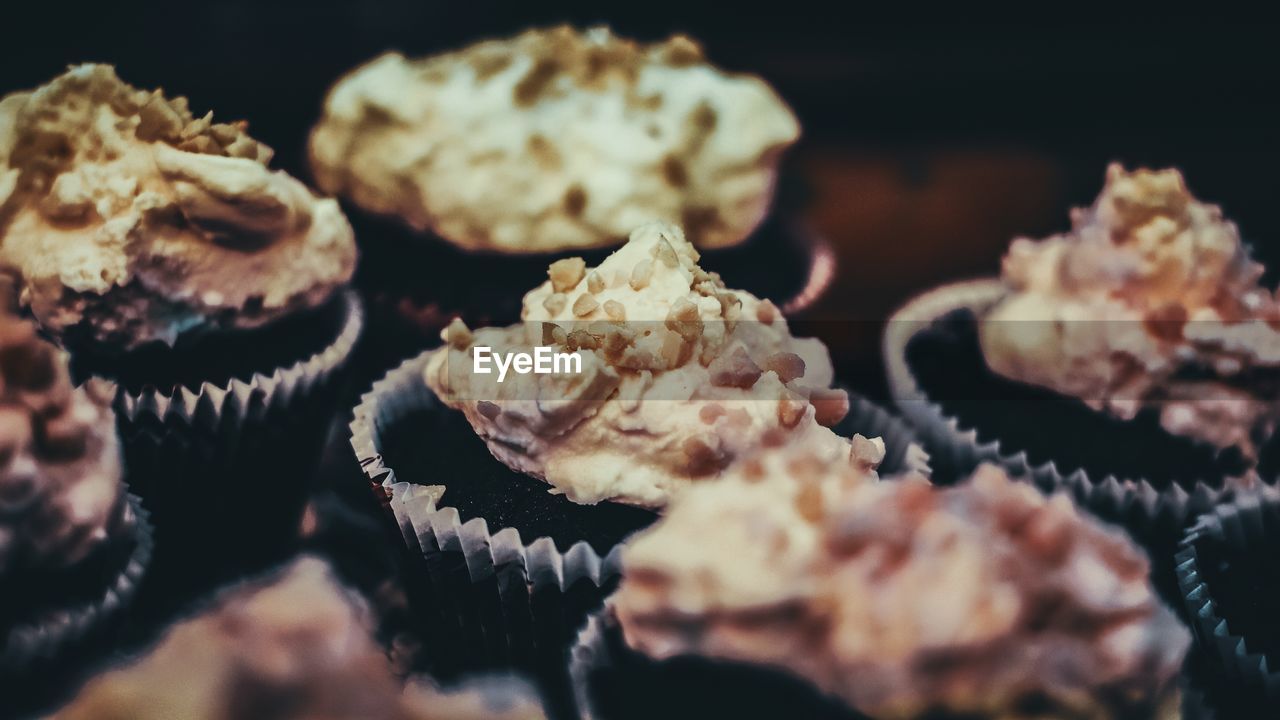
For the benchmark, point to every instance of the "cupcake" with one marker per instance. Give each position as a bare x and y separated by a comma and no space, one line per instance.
474,169
1142,340
161,250
512,487
296,644
73,544
1228,586
800,587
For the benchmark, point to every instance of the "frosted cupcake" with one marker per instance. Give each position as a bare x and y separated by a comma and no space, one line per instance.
293,645
1142,339
798,586
73,544
160,248
556,141
513,490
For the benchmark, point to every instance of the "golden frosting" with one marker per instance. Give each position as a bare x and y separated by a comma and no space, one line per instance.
128,219
1149,301
901,598
679,376
555,139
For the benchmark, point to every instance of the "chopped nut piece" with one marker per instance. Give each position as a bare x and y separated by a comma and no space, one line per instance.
641,274
615,310
585,305
458,335
666,254
566,274
791,407
736,369
685,320
675,351
866,454
766,312
710,412
554,304
787,365
552,334
703,455
488,409
595,283
584,339
830,405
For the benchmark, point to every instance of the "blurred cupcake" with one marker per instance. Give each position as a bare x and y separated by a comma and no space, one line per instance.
486,163
293,645
1141,339
160,249
803,588
512,488
1229,584
73,544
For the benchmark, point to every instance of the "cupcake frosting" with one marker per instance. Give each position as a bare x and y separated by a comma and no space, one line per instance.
1149,301
128,219
903,599
298,645
555,139
679,376
484,698
60,487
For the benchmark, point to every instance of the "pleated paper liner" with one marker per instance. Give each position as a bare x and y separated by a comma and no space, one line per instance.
44,657
415,283
1230,582
500,571
611,681
225,465
1130,473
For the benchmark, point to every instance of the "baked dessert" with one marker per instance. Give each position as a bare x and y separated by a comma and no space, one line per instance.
555,139
1142,340
894,599
679,376
159,247
296,644
73,544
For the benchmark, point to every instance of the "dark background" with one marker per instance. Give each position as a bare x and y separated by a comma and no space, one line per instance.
928,145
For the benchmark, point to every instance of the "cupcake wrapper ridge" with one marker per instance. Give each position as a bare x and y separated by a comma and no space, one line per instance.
1154,517
1240,524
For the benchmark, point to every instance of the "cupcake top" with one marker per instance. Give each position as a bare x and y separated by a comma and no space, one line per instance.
1150,300
60,488
677,376
130,220
555,139
903,599
297,645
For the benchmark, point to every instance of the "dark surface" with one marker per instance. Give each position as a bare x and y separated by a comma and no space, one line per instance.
1245,585
947,362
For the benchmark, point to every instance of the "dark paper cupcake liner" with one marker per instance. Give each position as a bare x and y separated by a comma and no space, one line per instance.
45,655
488,594
1250,527
225,469
1155,517
415,283
613,682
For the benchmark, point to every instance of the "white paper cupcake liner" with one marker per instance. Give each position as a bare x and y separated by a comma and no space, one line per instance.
1155,517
